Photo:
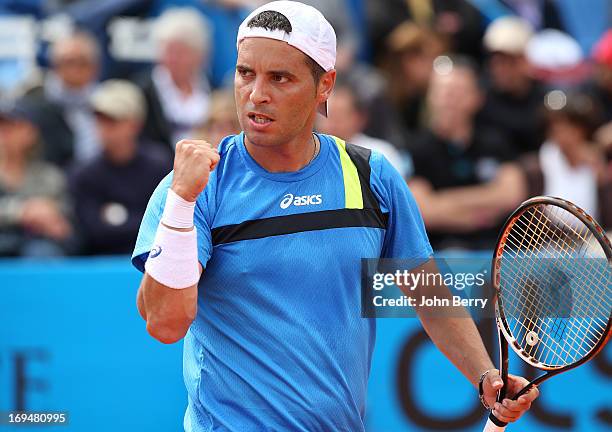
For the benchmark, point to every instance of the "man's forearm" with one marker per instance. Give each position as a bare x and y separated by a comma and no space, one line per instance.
461,343
452,329
169,312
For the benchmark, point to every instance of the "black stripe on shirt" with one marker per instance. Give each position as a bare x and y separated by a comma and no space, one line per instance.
290,224
361,158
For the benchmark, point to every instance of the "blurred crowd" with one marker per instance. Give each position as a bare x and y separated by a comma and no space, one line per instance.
479,104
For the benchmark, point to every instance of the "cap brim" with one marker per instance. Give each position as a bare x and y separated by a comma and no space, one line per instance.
106,113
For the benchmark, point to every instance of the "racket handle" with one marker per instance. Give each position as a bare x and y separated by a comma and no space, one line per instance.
492,427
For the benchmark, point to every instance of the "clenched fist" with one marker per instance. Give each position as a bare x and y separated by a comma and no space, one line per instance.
194,160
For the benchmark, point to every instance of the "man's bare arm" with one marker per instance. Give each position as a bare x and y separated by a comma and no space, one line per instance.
452,329
454,333
168,312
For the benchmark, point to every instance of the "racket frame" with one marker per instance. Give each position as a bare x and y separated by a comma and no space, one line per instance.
504,334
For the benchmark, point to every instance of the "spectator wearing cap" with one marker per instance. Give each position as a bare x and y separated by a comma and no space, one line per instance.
33,202
177,91
463,180
111,191
347,118
514,101
569,164
69,129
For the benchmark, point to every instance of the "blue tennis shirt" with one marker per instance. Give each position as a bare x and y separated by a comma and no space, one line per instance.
278,343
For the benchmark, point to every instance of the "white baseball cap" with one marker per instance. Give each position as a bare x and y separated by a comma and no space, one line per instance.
119,99
509,35
311,33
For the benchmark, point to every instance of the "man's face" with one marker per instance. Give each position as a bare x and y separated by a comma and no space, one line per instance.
509,73
117,136
17,136
276,95
75,64
453,99
568,136
182,61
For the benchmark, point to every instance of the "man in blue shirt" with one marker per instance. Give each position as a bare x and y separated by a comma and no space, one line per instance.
252,252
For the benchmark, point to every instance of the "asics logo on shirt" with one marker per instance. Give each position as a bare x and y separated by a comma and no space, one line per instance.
155,252
303,200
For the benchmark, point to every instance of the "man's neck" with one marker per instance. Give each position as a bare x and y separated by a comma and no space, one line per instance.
286,158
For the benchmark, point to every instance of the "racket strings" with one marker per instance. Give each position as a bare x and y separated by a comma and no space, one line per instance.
586,275
556,327
599,273
582,255
530,269
557,324
555,282
556,298
581,249
543,326
538,325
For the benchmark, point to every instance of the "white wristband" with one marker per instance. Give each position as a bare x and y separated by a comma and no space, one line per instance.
173,260
492,427
178,212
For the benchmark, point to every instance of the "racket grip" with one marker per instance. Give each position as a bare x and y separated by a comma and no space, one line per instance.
492,427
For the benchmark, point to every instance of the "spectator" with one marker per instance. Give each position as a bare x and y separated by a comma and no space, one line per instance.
514,101
223,120
176,91
569,164
347,118
68,126
111,191
458,21
411,53
462,183
33,202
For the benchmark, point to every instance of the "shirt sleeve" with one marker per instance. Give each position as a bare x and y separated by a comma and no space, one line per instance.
150,222
405,236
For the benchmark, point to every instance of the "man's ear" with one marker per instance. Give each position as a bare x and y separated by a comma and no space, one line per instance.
326,85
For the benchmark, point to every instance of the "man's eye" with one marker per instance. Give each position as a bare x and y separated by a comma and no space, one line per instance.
244,73
279,78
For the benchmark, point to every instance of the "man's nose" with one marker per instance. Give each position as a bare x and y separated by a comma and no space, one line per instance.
260,92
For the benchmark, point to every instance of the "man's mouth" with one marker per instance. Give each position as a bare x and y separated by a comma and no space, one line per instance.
259,118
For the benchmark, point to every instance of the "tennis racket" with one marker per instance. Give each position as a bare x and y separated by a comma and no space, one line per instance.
552,274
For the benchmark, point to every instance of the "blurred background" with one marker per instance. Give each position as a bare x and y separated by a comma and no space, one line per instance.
479,104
